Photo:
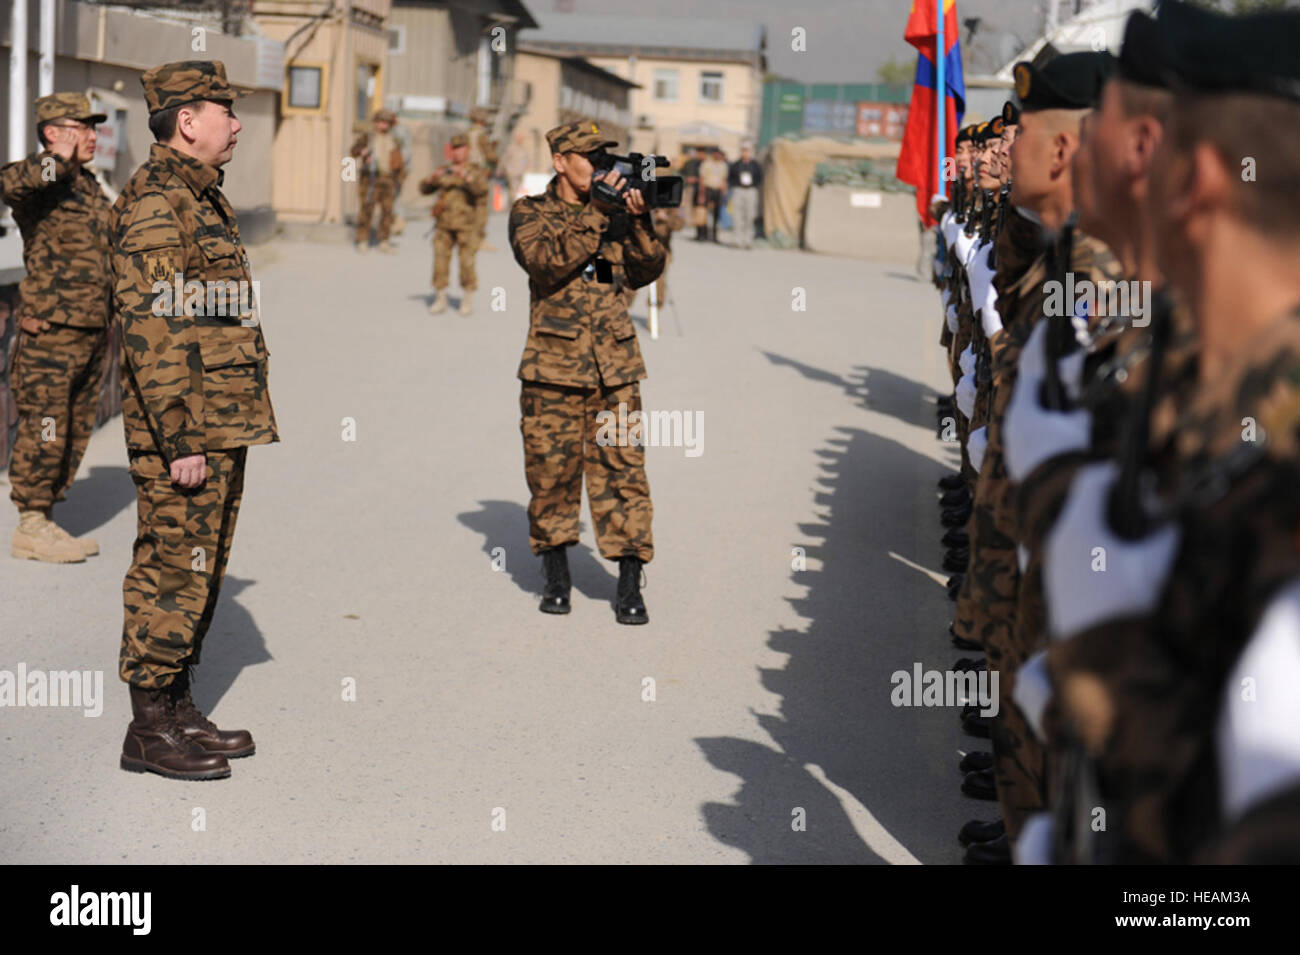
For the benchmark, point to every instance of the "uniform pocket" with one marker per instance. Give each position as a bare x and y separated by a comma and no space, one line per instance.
549,323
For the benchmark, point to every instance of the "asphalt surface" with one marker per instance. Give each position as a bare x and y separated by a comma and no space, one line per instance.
398,563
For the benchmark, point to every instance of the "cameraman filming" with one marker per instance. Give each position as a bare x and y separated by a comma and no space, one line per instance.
581,358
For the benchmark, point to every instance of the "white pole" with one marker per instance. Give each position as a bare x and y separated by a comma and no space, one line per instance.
45,76
654,311
18,80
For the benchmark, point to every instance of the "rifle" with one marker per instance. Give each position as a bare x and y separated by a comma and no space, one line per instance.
1060,328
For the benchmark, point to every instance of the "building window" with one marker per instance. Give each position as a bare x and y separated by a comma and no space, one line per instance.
305,89
710,86
665,89
397,40
367,91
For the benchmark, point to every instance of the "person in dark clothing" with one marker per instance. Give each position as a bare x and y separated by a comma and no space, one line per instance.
744,180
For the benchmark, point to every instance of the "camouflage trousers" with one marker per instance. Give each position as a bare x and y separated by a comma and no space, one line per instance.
55,380
563,441
481,214
465,242
182,544
378,191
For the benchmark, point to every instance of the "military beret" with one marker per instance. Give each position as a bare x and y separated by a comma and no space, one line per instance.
1212,53
460,139
995,127
963,135
582,137
1069,81
1141,58
177,84
1010,114
66,106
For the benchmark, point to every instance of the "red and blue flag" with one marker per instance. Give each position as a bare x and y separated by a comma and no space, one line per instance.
918,161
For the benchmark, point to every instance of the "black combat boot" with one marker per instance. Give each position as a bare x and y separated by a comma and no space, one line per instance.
954,587
973,762
956,499
979,785
629,607
555,595
994,852
956,537
155,742
978,831
229,743
951,482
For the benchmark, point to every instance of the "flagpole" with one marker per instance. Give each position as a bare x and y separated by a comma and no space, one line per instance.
941,112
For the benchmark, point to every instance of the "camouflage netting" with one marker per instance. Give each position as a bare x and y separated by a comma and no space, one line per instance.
875,174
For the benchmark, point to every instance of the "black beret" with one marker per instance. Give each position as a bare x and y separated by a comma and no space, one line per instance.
1212,53
963,135
1069,81
981,134
1010,114
1142,57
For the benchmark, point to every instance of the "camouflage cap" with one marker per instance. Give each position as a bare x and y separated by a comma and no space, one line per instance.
176,84
581,137
478,115
460,139
385,114
66,106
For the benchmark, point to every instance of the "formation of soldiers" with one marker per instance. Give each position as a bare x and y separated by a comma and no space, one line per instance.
1122,324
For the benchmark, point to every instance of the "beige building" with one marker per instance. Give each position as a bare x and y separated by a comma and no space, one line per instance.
565,89
698,82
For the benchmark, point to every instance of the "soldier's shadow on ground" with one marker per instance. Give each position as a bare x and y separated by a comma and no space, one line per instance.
867,615
453,303
504,524
875,389
233,642
95,499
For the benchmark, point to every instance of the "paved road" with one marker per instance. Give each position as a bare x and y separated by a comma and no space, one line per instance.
372,561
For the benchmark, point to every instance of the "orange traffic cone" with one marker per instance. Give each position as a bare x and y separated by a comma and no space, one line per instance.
498,198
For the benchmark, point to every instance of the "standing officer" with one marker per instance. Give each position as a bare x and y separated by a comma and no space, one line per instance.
59,363
581,359
381,170
744,180
194,396
483,154
461,187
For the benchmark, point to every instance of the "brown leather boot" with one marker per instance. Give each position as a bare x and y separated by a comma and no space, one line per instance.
155,742
229,743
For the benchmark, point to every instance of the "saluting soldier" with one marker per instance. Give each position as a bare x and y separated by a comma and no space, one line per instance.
460,187
581,367
58,366
194,397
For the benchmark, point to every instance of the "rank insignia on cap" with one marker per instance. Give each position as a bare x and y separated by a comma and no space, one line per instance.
1022,75
995,127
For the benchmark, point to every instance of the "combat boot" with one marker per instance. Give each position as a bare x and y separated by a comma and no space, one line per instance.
363,247
155,742
951,482
387,247
629,607
979,785
34,539
196,726
994,852
956,537
975,761
467,303
89,546
439,303
555,595
978,831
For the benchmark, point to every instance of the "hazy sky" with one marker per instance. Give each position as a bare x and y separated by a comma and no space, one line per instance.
847,39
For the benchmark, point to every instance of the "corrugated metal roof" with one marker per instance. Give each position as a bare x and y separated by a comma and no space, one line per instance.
645,32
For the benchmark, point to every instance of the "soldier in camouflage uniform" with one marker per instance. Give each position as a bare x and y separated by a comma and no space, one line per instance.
460,187
484,154
58,366
194,397
582,366
380,170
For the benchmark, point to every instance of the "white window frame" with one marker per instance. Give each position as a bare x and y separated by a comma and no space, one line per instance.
711,76
676,75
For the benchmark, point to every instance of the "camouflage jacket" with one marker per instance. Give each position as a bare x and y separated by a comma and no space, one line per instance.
579,331
386,159
64,224
482,149
457,195
194,366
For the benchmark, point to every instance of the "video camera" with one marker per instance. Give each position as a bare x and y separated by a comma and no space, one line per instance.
638,171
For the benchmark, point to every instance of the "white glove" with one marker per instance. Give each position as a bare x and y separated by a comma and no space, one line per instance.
1070,369
1258,733
1034,846
966,360
1031,434
981,276
950,229
950,317
1033,691
965,393
977,443
964,245
946,298
989,316
1134,574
